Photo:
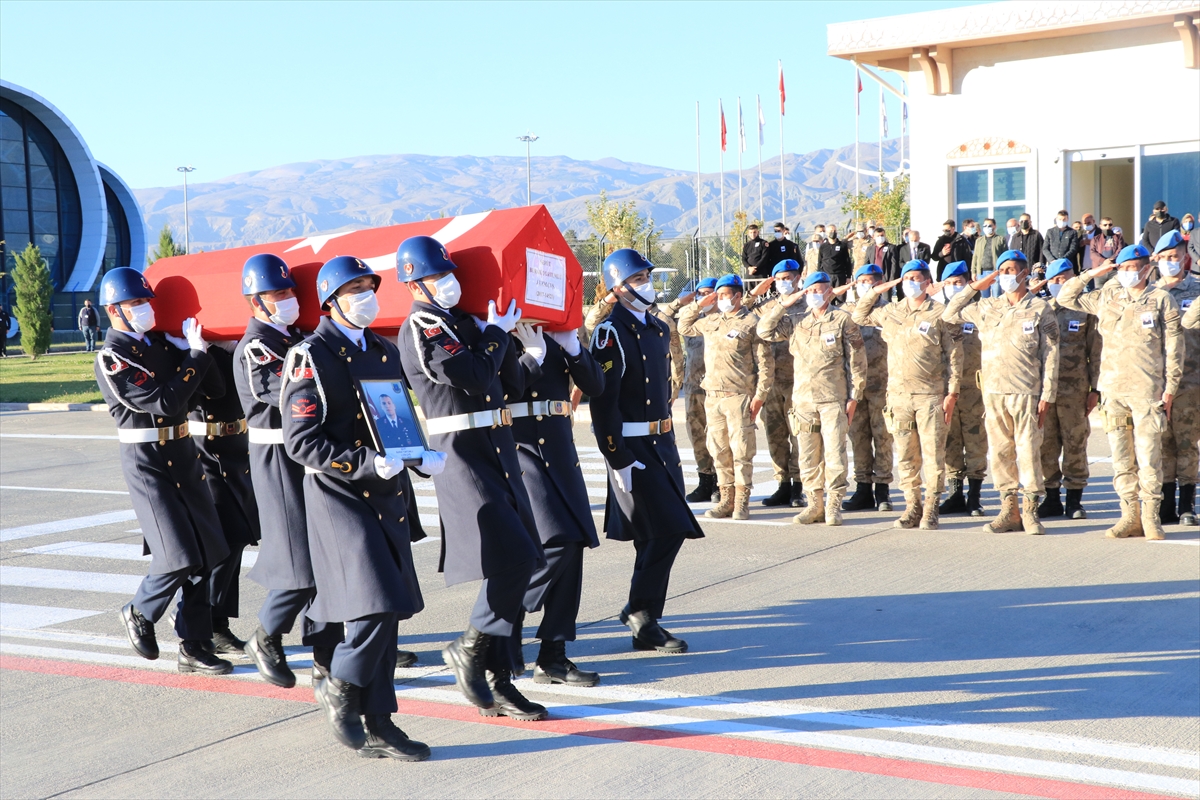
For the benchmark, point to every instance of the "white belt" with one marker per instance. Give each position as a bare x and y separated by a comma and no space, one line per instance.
652,428
265,435
541,408
198,428
148,435
312,471
461,422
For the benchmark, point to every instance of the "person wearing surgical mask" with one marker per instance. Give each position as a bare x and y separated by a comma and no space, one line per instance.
1028,240
913,250
1060,241
883,254
988,248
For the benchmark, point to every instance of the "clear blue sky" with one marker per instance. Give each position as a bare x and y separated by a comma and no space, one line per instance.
233,87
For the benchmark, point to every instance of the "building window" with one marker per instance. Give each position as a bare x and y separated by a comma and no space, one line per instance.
1173,178
983,192
116,249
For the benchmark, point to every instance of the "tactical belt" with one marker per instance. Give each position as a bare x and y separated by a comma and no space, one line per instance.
541,408
265,435
149,435
652,428
214,429
491,418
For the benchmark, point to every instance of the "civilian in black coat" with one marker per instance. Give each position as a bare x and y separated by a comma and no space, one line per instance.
835,258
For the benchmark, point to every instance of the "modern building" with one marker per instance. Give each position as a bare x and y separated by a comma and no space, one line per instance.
53,193
1035,106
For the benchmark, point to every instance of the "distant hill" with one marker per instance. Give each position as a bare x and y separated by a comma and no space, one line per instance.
295,200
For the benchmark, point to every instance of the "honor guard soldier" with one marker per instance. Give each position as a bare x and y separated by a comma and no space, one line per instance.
830,376
1180,465
463,371
1140,375
785,452
1019,334
693,398
666,315
284,565
149,384
357,515
1067,426
966,439
738,371
924,371
632,423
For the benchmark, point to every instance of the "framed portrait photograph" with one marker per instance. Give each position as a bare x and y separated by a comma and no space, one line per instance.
389,412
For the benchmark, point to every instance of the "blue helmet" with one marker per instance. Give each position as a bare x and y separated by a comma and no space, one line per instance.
337,272
621,265
1130,253
1011,255
1057,267
730,280
707,283
787,265
266,272
123,283
953,269
418,257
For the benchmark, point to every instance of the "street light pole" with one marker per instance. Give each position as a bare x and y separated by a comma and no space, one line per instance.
187,238
528,139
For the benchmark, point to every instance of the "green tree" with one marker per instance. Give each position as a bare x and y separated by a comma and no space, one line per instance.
167,246
887,205
31,278
736,237
621,225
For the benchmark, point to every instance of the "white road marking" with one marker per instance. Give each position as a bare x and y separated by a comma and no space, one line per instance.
70,491
113,550
64,525
18,615
70,580
1191,542
53,436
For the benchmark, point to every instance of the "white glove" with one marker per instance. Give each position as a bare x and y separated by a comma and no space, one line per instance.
568,339
624,476
192,332
532,339
505,322
179,342
432,463
388,466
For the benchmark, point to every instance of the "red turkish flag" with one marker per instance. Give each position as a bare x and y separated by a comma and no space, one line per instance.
782,93
721,105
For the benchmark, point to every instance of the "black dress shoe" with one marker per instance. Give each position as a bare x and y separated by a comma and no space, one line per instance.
322,657
510,702
405,659
266,653
553,666
224,643
385,740
649,635
464,657
340,702
141,632
193,657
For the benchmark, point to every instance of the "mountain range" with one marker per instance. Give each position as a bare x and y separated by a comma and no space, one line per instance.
306,198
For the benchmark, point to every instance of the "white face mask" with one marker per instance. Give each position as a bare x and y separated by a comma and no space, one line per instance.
950,290
1012,229
641,297
364,307
447,291
1129,278
1060,223
879,240
1009,283
1054,288
287,311
823,234
725,305
1188,224
912,289
863,289
1089,227
860,234
785,286
969,232
141,318
815,299
778,234
989,229
1170,269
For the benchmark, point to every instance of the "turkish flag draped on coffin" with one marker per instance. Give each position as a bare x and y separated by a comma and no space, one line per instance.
515,253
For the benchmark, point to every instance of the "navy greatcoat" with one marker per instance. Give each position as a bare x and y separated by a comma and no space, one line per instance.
358,531
151,384
488,526
636,360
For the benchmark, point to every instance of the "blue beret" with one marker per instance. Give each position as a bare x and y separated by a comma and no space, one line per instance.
730,280
1132,252
707,283
1168,241
867,269
816,277
1057,267
1011,255
916,265
787,265
954,268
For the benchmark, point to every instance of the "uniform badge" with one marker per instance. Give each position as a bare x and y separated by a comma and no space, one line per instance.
1028,328
408,269
324,286
139,378
454,348
303,408
248,280
1186,304
302,374
607,365
968,328
733,335
436,330
923,327
1073,326
1147,320
830,339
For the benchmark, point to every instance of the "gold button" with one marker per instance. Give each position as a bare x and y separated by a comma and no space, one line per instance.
541,441
680,464
177,369
247,472
160,419
211,437
539,417
385,359
347,358
566,370
506,476
654,441
643,358
210,416
647,402
400,520
522,472
177,486
202,477
366,494
169,464
660,334
647,380
487,398
547,463
534,394
358,416
399,494
358,442
380,517
639,336
577,463
497,449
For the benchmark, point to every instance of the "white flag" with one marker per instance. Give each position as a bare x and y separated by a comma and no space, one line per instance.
761,121
741,129
883,113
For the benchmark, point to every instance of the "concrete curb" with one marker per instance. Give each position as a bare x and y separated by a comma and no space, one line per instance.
53,407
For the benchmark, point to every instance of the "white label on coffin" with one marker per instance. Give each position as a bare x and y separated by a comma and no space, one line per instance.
545,280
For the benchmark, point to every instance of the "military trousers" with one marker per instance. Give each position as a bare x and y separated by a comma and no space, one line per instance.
500,611
367,659
1014,442
556,589
918,427
784,450
193,619
1066,434
652,573
870,441
282,606
1180,457
1135,428
966,439
821,431
223,589
731,437
698,429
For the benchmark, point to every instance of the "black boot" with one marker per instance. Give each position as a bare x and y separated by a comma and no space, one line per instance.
553,666
782,496
266,653
863,499
340,701
1052,506
510,702
385,740
955,503
1166,509
798,494
194,657
974,506
405,659
224,642
322,657
649,635
1187,504
464,656
141,632
1074,508
883,497
703,492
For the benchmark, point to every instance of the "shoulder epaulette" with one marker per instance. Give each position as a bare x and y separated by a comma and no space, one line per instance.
298,366
111,364
259,354
604,336
426,325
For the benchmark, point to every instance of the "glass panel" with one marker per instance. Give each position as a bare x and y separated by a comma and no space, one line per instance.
1008,184
44,199
36,156
971,186
41,177
1174,179
10,129
1003,214
16,228
13,175
45,222
12,152
14,197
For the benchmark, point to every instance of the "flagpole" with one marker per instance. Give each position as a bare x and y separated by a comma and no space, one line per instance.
856,167
699,206
782,171
741,139
761,213
881,136
903,123
722,146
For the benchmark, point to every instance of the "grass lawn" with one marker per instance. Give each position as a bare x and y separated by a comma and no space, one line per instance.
51,379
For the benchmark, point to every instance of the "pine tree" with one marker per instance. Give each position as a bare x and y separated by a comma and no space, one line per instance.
31,278
167,246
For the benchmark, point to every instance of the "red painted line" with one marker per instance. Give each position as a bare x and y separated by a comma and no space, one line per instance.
705,743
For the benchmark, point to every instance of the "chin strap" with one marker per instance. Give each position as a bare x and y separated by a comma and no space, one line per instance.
425,291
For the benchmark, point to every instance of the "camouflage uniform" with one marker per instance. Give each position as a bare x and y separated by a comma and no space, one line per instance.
785,453
966,440
869,436
858,254
1180,456
1067,426
693,396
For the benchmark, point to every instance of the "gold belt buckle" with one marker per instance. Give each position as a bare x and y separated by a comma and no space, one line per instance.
505,416
665,426
558,408
653,427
